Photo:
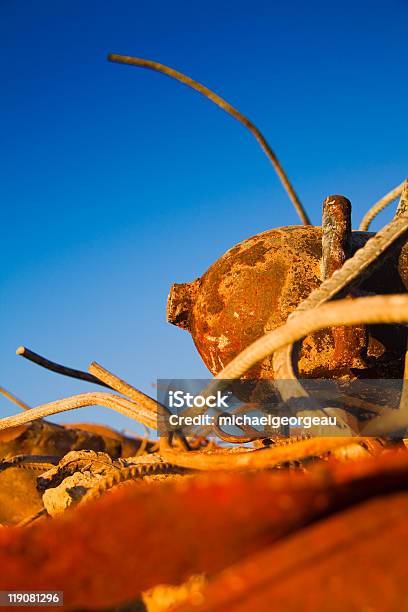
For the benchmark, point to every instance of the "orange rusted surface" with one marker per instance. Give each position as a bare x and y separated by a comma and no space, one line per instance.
353,561
129,445
46,438
350,343
109,551
253,288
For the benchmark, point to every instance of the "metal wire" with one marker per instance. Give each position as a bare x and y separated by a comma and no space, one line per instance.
228,108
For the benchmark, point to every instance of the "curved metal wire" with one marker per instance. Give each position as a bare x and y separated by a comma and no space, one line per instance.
228,108
379,206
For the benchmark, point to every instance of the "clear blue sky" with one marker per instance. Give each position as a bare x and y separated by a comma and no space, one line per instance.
116,182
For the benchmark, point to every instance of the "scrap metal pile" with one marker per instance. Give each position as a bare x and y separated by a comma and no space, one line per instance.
265,522
135,524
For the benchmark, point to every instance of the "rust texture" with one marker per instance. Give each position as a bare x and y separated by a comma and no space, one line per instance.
19,497
336,233
181,302
349,342
353,561
208,524
257,284
298,523
45,438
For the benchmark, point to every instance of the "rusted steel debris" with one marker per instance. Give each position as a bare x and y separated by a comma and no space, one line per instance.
315,523
349,342
342,563
255,287
223,517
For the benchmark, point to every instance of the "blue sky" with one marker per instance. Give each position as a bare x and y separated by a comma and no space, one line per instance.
116,182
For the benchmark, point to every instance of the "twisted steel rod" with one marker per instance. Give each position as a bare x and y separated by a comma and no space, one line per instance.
379,206
115,402
353,270
147,403
369,310
389,421
14,399
255,459
97,375
116,383
358,267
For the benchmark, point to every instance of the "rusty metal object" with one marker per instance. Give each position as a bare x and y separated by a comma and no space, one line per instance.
340,563
45,438
181,303
19,497
218,512
336,233
349,342
256,285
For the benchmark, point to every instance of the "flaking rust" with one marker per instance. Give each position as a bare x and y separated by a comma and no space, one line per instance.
256,285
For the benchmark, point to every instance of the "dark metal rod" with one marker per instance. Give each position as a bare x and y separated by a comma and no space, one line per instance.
58,368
